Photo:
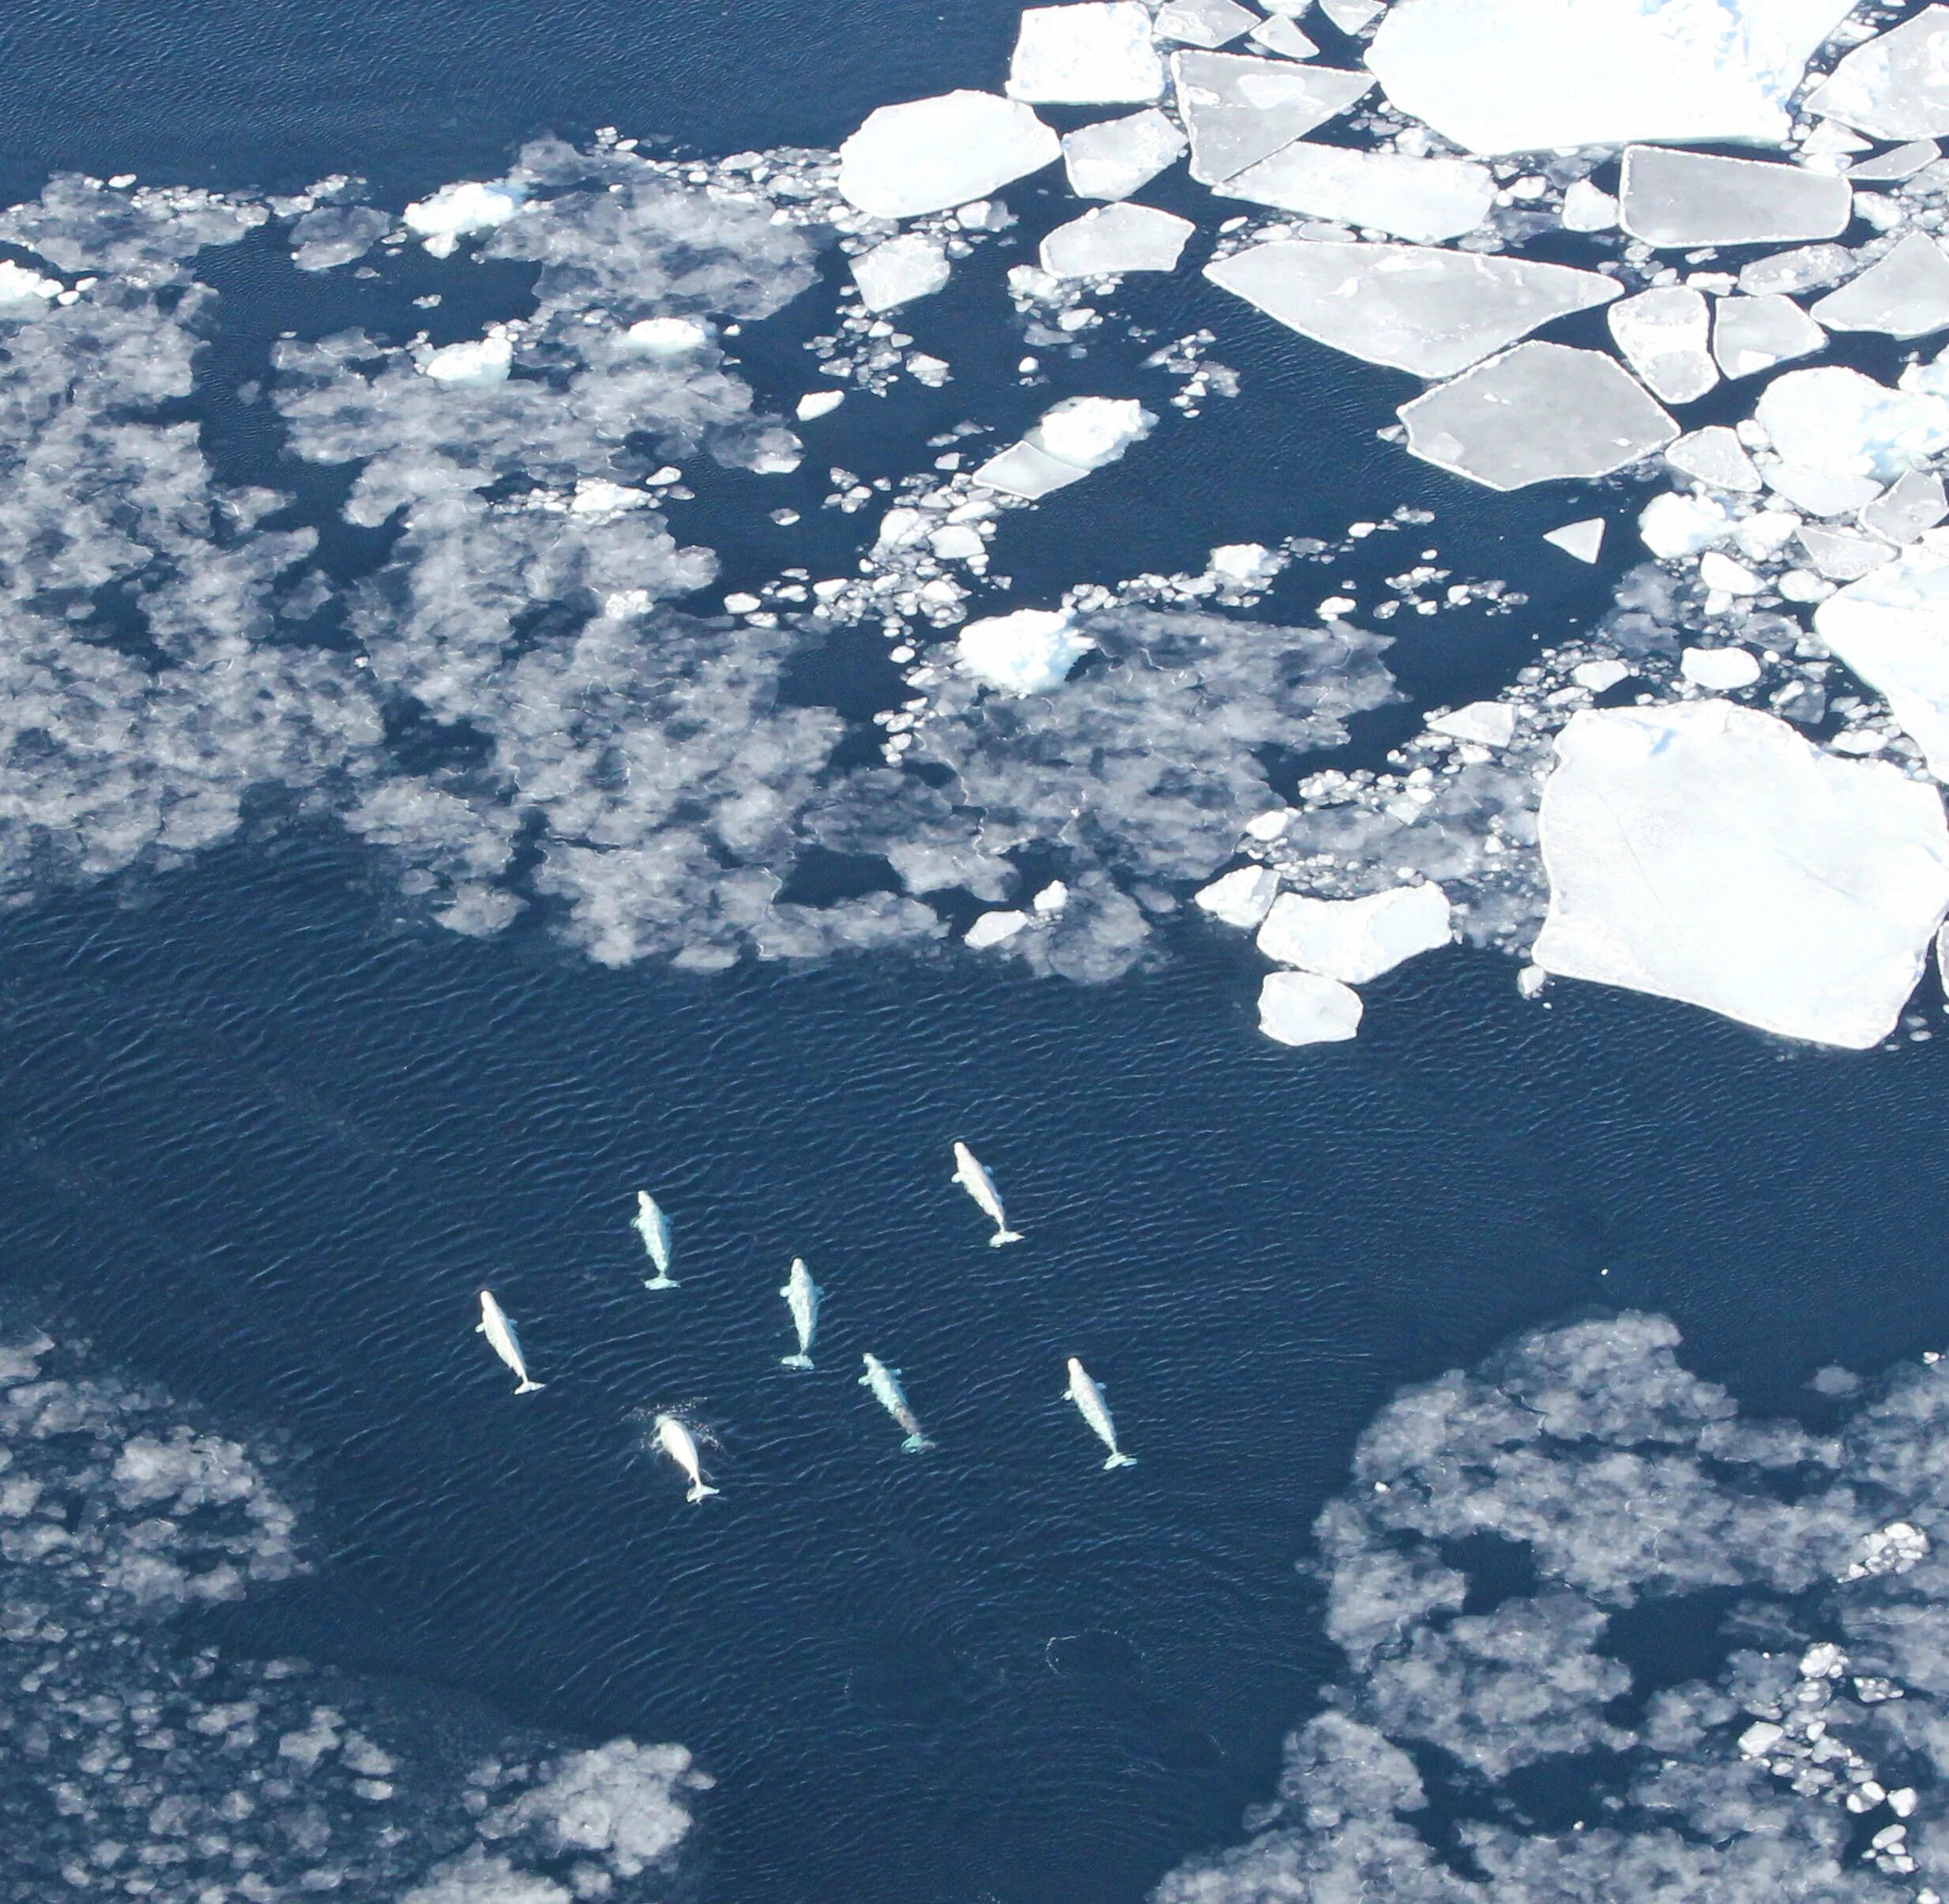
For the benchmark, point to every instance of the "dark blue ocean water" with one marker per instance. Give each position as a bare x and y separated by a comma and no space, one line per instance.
265,1139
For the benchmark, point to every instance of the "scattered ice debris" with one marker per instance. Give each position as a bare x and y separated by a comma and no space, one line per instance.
1896,86
1115,238
479,365
1666,334
816,403
1673,200
1582,541
1535,413
1809,887
1891,628
1072,438
1355,940
1241,898
1490,723
1029,652
1303,1008
1904,293
1720,670
930,155
1424,200
1238,110
1894,1549
1750,335
1086,53
461,211
899,271
1428,312
1202,23
1116,158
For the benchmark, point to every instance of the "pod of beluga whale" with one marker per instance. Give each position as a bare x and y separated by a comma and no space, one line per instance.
654,1227
970,1175
677,1441
885,1383
505,1343
801,1294
1091,1405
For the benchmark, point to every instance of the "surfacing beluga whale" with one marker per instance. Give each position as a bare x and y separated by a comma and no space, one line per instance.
1084,1392
505,1343
677,1441
654,1227
885,1383
973,1179
801,1294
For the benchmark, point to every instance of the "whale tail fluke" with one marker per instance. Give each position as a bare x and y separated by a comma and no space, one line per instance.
697,1490
915,1444
660,1283
795,1361
527,1387
1121,1461
1004,1235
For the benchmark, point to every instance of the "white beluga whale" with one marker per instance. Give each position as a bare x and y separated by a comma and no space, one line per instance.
654,1227
505,1343
801,1294
972,1178
1091,1405
885,1383
680,1445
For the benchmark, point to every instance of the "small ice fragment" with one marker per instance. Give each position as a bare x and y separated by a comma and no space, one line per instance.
1905,294
1897,85
1269,825
1352,17
1490,723
1089,53
594,496
1749,335
1588,209
1665,335
1805,268
1914,503
1716,457
1899,163
1030,652
1116,158
1537,413
461,211
473,366
1680,199
1239,109
1424,200
931,155
957,543
1279,34
899,271
1241,898
1597,675
819,403
1719,670
1052,900
667,336
1243,561
742,605
1729,577
992,928
1582,541
1115,238
1201,23
1303,1008
1355,940
1891,628
1759,1738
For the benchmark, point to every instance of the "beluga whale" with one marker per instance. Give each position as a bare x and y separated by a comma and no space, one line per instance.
885,1383
654,1227
1091,1405
505,1343
972,1178
680,1445
801,1294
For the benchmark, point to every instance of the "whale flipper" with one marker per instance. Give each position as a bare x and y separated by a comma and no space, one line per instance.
795,1361
915,1444
697,1492
527,1388
1121,1461
1004,1235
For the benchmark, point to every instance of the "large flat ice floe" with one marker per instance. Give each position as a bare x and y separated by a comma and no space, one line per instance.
1896,86
1355,940
1510,76
1304,1008
1116,158
1673,200
1905,294
1891,627
1089,53
1116,238
930,155
1239,109
1706,853
1666,334
1409,307
1536,413
1423,200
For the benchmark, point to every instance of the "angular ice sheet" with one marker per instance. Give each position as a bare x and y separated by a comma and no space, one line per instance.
1706,851
932,154
1116,158
1071,439
1355,940
1718,458
1489,724
1666,334
1582,541
1896,86
1915,503
1905,294
1413,308
1749,335
1303,1008
1238,110
1201,23
1116,238
1680,199
1241,898
1537,413
1279,34
1425,200
1089,52
899,271
1892,629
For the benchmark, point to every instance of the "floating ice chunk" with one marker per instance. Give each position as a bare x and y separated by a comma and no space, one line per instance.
1355,940
1116,158
1089,53
1072,438
1490,724
819,403
1597,676
1672,526
1678,199
1914,503
1805,268
1425,200
1352,15
1665,335
993,928
1241,898
24,293
1892,629
1239,109
1279,34
1029,652
1722,671
1724,576
1749,335
1897,85
1839,555
461,211
1905,294
1243,561
1201,23
931,155
1705,852
1537,413
899,271
1839,420
1510,75
1303,1008
472,366
667,336
1024,471
333,235
1587,208
1430,312
1716,457
1902,162
1582,541
1116,238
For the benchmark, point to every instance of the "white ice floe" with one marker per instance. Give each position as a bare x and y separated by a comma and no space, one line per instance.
1239,109
1303,1008
667,336
931,155
1201,23
1489,724
1536,412
1355,940
1071,439
1352,16
1115,238
1720,670
461,211
1891,628
1805,268
1597,676
1666,334
1706,853
471,366
1911,504
1030,652
1241,898
1116,158
1715,456
1902,162
1508,76
1424,200
994,929
1417,309
1896,86
1589,208
1905,294
1279,34
900,270
819,403
1582,541
24,293
1842,424
1672,525
1676,200
1753,334
1088,53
